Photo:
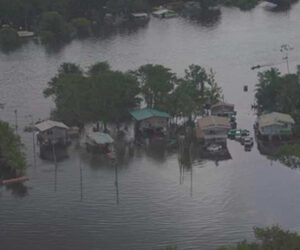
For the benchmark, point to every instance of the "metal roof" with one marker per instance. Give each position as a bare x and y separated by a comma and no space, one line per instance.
213,121
222,104
100,138
49,124
142,114
275,118
142,14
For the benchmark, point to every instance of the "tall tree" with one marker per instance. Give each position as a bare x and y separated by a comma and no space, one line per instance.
156,83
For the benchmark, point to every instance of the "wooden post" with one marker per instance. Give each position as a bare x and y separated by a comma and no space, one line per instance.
33,141
116,182
55,167
80,171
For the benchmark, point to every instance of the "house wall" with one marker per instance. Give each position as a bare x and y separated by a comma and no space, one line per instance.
275,129
215,132
212,134
222,110
56,135
154,122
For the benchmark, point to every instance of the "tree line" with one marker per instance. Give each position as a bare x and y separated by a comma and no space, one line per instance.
27,13
101,93
277,92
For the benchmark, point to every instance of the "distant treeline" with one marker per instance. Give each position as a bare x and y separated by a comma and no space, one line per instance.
28,13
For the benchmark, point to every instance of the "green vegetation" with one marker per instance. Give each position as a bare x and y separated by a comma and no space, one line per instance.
156,83
53,28
289,155
278,93
9,38
82,26
100,94
12,160
197,90
107,95
269,238
242,4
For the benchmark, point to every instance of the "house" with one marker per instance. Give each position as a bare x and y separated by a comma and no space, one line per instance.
275,124
222,109
150,122
99,142
212,129
52,132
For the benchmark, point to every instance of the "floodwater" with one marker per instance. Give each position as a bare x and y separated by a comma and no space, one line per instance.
149,203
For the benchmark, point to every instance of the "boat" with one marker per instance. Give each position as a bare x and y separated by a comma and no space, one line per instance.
140,17
164,13
213,148
25,34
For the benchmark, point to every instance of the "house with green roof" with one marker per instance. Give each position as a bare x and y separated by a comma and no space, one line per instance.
150,121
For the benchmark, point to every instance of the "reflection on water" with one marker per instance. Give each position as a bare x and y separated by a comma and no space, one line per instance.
19,190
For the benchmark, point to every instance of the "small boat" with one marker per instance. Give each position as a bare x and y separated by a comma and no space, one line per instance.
140,17
164,13
213,148
25,34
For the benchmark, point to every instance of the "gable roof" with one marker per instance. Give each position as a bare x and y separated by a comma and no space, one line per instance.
213,121
100,138
275,118
222,104
49,124
145,113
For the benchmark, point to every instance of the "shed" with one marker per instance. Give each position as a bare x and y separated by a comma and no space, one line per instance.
278,124
212,129
52,132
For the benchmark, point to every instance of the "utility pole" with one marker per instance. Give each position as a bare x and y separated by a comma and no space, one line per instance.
33,139
285,48
16,120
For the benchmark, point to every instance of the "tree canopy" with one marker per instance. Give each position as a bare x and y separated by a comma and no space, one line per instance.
12,160
104,94
269,238
276,92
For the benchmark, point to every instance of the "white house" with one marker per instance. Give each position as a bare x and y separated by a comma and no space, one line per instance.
275,124
52,132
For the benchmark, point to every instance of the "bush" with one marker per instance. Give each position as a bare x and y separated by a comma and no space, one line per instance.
269,238
82,26
53,28
12,160
9,38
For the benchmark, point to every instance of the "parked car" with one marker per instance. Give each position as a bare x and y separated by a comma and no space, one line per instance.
248,141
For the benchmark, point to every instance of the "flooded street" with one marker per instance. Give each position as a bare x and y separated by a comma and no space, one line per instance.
149,203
